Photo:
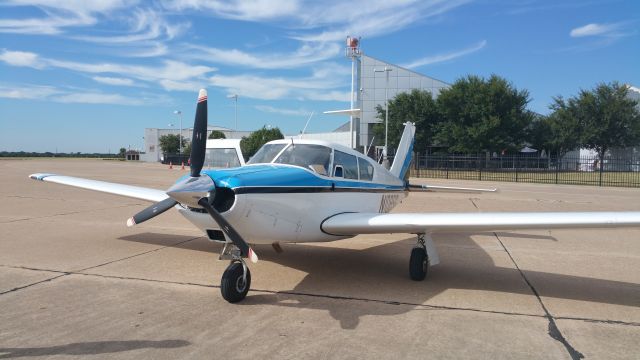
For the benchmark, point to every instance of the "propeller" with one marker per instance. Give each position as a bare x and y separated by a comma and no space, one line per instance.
153,210
196,190
199,138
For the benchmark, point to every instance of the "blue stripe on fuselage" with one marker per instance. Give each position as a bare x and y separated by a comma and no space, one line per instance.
276,175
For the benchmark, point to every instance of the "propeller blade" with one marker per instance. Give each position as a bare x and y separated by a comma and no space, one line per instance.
229,230
152,211
199,139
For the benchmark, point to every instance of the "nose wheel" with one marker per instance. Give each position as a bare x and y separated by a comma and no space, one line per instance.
235,282
236,279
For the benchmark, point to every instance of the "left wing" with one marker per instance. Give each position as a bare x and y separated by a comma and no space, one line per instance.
136,192
412,223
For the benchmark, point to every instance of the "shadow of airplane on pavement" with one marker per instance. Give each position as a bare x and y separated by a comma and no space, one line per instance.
380,274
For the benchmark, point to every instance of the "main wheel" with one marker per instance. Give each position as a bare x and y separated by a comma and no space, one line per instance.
418,264
232,286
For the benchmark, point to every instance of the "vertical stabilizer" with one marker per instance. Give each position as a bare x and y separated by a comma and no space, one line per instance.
405,149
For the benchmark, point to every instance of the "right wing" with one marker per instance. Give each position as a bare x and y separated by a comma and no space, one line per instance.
136,192
416,223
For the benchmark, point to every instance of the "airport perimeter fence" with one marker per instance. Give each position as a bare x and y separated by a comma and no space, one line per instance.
574,170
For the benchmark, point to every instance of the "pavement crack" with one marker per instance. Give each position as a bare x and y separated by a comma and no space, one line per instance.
474,203
32,284
553,329
67,213
139,254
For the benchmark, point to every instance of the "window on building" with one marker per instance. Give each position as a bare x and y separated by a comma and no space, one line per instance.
348,162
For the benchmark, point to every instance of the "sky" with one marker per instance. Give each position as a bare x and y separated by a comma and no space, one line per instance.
89,76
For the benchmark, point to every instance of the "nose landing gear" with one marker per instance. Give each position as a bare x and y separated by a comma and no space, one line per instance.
236,279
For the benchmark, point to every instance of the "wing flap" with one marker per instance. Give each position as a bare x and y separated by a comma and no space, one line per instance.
376,223
136,192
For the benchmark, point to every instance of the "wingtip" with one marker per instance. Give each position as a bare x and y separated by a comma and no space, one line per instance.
39,176
131,222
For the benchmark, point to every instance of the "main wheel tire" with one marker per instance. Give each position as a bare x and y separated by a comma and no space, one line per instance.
418,264
232,287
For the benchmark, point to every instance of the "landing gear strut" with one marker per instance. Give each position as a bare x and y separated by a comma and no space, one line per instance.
423,255
236,279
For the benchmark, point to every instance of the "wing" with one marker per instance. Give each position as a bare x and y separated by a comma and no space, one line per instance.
375,223
111,188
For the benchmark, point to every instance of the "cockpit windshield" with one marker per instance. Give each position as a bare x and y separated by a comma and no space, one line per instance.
266,153
308,156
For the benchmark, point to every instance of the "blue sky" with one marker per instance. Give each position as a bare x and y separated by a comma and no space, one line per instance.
89,76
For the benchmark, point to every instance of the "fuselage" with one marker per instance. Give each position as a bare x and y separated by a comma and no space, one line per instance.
278,202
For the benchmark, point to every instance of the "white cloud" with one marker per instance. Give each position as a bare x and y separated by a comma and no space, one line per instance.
370,18
171,75
98,98
27,91
62,95
249,10
595,30
113,81
306,54
20,58
271,88
446,56
283,111
58,14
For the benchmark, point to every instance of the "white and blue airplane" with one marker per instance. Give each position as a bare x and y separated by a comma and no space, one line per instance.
296,191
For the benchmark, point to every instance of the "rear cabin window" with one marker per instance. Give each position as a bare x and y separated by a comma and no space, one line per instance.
348,162
266,153
312,157
366,169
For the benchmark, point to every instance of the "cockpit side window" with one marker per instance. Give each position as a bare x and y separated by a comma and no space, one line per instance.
365,169
266,153
348,162
309,156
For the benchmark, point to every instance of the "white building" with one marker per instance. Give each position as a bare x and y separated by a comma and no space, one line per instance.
152,139
371,82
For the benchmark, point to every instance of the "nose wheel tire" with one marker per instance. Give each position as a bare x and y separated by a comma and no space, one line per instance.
233,285
418,264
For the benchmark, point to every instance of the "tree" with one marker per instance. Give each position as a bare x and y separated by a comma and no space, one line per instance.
250,145
122,153
170,143
610,119
482,115
417,107
186,147
563,131
217,134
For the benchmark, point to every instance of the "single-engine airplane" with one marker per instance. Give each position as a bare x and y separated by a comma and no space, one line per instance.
295,191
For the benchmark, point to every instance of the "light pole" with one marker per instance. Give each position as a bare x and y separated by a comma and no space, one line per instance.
235,98
385,160
179,113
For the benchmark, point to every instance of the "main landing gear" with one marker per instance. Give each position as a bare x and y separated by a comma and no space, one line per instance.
236,279
423,255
